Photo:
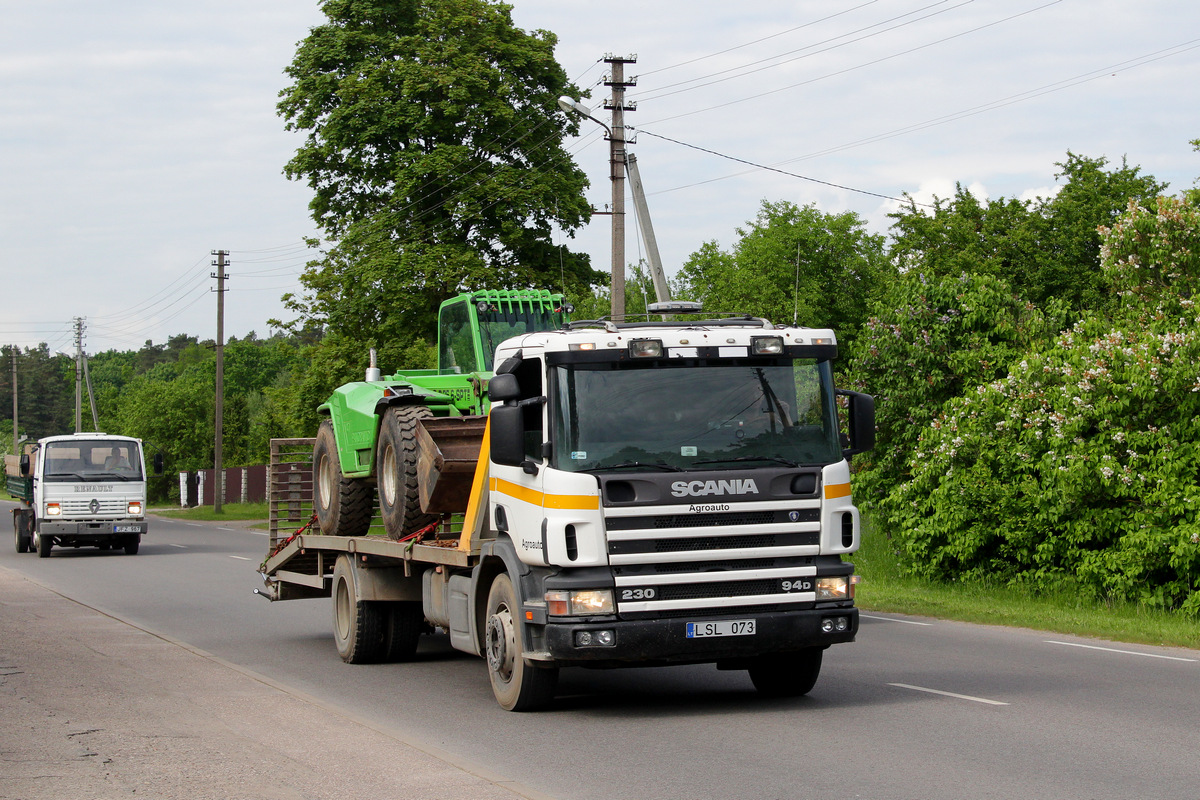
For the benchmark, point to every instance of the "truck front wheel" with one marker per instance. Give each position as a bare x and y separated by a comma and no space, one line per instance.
131,544
396,470
343,505
519,685
358,625
787,674
43,544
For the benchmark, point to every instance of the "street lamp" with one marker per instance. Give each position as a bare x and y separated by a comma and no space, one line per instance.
616,149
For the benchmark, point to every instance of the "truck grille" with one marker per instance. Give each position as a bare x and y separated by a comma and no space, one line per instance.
106,507
712,543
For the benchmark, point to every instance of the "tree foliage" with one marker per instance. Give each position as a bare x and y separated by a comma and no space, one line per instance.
793,262
434,150
1081,462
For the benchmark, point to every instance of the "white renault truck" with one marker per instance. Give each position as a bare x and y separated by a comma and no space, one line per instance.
80,490
640,493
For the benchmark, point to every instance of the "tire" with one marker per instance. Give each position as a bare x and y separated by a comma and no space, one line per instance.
21,531
396,472
788,674
43,545
518,684
131,544
405,624
344,506
358,625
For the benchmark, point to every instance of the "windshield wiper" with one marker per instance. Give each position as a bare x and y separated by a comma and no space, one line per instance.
74,475
775,459
630,464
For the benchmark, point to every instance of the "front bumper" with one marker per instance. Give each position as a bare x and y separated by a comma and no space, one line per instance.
665,641
92,529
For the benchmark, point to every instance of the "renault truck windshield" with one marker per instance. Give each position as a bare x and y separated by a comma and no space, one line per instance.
694,416
94,460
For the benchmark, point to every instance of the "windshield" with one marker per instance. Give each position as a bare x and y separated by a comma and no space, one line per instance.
95,460
499,324
694,416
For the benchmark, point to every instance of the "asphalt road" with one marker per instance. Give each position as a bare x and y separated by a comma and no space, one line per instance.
915,709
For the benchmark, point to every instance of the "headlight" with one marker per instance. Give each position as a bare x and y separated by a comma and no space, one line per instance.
134,509
766,345
645,348
836,588
579,602
53,509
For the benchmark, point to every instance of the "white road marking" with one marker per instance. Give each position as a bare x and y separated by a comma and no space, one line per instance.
242,558
181,546
226,529
949,694
1122,652
891,619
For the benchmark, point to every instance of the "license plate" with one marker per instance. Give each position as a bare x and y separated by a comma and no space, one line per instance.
125,529
732,627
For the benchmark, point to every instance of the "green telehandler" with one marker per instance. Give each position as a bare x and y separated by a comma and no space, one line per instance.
414,436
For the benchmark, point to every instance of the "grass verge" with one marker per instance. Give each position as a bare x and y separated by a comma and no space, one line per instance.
230,511
886,588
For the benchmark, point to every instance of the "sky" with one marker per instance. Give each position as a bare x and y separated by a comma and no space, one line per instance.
139,136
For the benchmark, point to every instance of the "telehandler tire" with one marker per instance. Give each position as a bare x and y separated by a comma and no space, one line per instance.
396,472
343,505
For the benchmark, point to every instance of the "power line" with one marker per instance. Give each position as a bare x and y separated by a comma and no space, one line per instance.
785,172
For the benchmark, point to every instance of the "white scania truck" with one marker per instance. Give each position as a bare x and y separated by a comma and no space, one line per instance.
80,490
644,493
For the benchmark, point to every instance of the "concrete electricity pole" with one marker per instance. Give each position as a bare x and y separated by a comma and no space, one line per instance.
616,149
79,374
16,441
218,467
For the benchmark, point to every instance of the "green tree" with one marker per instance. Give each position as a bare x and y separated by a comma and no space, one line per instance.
434,150
792,261
1081,463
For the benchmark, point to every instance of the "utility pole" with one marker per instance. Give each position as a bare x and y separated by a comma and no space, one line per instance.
79,326
16,441
616,155
661,291
218,467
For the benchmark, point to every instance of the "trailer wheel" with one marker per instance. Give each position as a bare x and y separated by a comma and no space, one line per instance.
787,675
396,472
43,544
131,544
358,625
343,505
405,624
21,531
518,684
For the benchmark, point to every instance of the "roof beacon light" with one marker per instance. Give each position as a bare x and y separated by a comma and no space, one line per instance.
675,307
645,348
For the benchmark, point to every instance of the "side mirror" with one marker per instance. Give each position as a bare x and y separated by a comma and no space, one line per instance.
24,465
503,387
158,463
507,435
862,422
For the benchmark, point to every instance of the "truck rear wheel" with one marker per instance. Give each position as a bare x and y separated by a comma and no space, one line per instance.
343,505
396,472
358,625
519,685
405,624
788,674
43,545
21,531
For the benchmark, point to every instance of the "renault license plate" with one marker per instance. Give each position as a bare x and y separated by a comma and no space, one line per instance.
125,529
729,627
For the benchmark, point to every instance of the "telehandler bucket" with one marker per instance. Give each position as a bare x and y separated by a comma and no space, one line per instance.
447,451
